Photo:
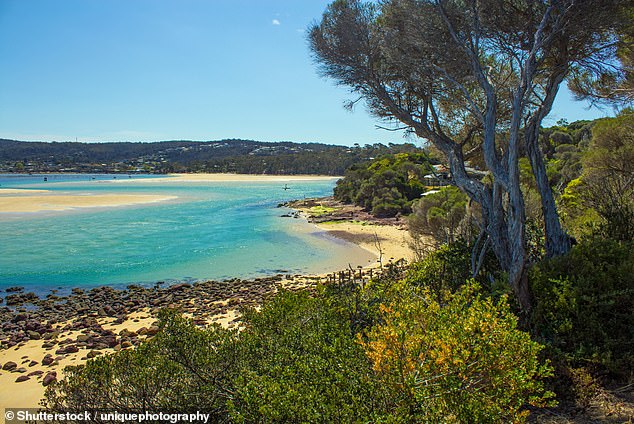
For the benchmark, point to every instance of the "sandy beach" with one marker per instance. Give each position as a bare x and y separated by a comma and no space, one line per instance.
392,240
45,352
21,201
30,356
221,307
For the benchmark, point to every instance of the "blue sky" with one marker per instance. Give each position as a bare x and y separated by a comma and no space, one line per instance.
150,70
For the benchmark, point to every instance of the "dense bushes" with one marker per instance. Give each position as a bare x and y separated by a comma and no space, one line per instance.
302,364
439,215
334,357
584,303
386,186
459,358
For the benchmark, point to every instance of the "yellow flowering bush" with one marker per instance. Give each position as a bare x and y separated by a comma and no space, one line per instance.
457,358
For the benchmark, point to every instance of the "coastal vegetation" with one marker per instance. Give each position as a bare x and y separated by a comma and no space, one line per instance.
443,340
524,296
385,186
392,351
476,80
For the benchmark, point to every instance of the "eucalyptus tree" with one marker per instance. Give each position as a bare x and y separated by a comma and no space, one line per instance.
475,78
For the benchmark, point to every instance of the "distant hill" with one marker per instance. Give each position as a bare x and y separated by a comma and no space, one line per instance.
232,155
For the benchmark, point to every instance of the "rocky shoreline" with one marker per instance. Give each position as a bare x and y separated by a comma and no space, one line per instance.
327,209
75,324
39,336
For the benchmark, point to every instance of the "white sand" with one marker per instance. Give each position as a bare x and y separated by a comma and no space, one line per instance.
59,202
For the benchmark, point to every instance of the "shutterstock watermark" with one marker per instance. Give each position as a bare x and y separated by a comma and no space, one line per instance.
24,415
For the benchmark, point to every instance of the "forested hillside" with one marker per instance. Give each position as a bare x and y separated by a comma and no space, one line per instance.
240,156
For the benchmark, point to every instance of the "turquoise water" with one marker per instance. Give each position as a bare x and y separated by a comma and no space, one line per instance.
211,231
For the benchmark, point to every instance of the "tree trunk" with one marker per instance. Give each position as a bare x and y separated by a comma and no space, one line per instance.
557,241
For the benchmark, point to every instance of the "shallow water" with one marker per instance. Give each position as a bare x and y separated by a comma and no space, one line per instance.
211,231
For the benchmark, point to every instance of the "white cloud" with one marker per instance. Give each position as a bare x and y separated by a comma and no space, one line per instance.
276,22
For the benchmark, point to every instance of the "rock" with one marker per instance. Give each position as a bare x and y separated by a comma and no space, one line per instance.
127,333
93,354
178,287
9,366
47,360
50,335
34,335
33,363
83,338
126,344
71,349
14,289
21,370
34,373
152,330
49,378
22,378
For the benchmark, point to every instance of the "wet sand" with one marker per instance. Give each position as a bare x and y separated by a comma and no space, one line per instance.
23,201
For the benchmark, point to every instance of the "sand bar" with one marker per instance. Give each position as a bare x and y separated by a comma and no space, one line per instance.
234,178
60,202
5,191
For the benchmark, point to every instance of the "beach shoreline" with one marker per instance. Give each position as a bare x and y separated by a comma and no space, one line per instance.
18,200
103,320
32,201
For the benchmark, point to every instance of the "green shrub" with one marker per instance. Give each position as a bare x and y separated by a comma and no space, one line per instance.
388,352
302,364
182,369
439,215
459,358
449,267
295,361
584,303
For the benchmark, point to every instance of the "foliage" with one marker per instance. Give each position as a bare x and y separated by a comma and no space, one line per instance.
460,358
564,146
385,186
601,199
584,303
475,79
302,364
172,372
448,267
439,215
579,219
295,361
325,358
609,175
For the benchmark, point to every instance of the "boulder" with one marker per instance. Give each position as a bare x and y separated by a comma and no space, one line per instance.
49,378
9,366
